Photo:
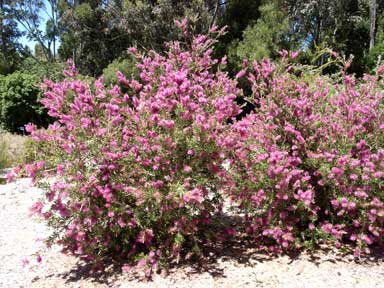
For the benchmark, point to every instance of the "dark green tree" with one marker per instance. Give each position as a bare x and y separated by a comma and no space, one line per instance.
9,47
97,32
343,26
267,36
19,101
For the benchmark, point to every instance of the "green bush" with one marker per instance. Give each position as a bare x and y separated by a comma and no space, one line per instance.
52,71
265,38
127,66
19,101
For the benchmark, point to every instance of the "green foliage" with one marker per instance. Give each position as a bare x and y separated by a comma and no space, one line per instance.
238,15
19,101
96,34
125,65
375,56
84,13
44,70
341,25
266,37
10,32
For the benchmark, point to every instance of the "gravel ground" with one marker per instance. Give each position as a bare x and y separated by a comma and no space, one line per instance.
236,267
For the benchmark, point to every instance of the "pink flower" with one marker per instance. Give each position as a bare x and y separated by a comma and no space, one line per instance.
111,214
10,176
37,207
142,262
194,196
24,262
311,226
145,237
361,144
295,54
240,74
30,127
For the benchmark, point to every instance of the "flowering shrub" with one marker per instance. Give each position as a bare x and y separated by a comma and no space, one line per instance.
142,175
308,165
136,175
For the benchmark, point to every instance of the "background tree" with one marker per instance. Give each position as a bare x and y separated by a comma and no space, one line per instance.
340,25
10,33
237,15
97,32
265,38
29,14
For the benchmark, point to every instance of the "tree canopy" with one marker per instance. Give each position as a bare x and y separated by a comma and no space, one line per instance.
95,34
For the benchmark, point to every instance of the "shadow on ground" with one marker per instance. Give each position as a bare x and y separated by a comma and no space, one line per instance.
240,252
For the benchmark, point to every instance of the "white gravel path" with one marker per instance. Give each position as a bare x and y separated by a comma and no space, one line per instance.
18,233
237,269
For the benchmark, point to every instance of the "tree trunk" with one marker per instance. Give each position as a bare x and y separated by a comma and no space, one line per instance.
372,30
54,29
3,39
317,33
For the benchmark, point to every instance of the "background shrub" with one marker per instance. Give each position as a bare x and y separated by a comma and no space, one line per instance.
19,101
127,66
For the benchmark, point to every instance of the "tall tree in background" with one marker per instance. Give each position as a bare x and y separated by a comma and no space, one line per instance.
340,25
372,18
8,41
237,15
52,25
265,38
88,37
97,32
151,23
28,13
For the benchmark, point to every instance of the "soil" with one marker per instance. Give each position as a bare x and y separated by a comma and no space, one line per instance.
234,266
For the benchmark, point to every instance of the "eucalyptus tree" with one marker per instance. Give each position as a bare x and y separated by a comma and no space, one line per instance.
10,33
40,20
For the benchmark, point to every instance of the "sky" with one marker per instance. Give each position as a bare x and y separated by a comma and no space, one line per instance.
24,40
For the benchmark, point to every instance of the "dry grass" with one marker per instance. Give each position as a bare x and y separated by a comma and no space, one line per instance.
12,150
